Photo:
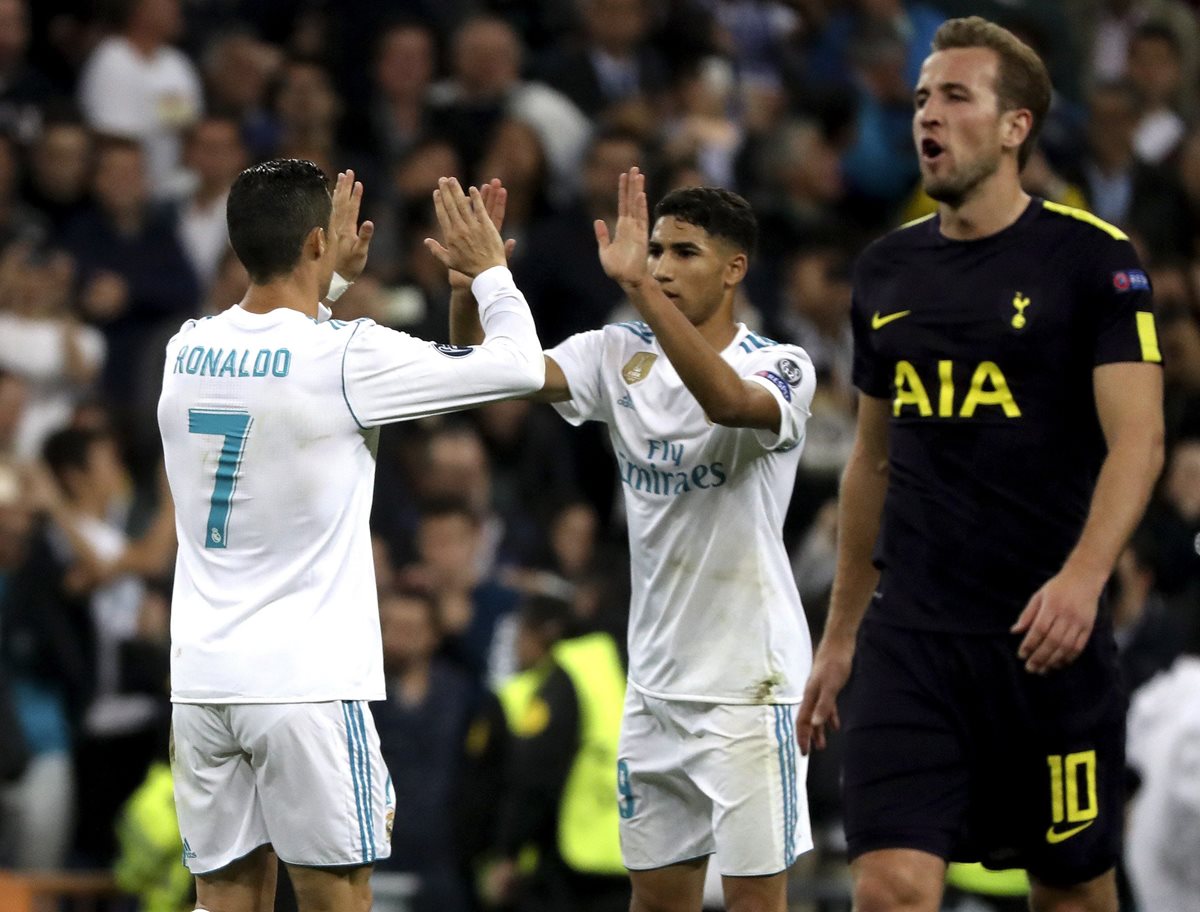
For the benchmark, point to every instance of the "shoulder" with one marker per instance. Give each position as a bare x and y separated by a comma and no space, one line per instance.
627,330
189,326
1081,223
901,240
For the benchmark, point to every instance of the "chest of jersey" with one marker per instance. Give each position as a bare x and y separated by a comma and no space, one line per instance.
977,338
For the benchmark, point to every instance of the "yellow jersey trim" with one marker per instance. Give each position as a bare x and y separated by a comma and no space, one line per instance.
1083,215
1148,337
916,221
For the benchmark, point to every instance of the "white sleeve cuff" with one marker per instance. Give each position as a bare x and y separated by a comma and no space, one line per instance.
491,284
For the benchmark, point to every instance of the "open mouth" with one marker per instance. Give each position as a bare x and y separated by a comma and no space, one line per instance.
931,149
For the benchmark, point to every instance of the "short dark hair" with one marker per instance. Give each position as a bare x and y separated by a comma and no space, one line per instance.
722,213
70,449
1157,30
1022,80
272,207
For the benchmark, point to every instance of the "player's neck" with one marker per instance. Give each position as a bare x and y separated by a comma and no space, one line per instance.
995,205
719,329
295,292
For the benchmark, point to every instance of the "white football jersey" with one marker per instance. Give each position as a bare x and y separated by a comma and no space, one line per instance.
715,615
269,425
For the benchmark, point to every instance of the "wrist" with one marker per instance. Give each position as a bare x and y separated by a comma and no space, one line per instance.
1087,571
337,287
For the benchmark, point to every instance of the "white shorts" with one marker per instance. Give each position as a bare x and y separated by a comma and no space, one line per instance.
695,779
308,778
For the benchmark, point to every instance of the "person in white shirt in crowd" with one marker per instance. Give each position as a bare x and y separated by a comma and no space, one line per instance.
707,422
135,85
215,155
269,418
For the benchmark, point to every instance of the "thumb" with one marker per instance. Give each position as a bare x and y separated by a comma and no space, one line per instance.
1028,614
438,251
509,246
601,233
365,232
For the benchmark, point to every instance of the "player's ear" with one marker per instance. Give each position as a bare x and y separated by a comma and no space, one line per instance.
314,244
735,268
1015,127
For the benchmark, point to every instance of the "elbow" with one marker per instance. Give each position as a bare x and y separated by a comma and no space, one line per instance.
728,409
533,373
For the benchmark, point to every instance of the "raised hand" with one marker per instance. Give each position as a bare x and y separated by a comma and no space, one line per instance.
624,256
350,239
472,242
495,203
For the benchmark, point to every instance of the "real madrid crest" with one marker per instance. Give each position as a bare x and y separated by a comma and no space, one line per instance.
638,367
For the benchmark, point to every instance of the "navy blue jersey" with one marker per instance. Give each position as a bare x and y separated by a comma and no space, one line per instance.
985,349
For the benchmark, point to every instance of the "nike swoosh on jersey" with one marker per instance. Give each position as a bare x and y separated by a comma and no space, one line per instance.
878,322
1054,837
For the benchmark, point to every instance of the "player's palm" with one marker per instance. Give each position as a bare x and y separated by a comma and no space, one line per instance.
623,257
351,239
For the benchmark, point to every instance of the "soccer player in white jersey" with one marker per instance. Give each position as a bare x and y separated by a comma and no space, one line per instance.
707,421
269,417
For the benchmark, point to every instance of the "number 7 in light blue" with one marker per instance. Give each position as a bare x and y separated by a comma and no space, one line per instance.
234,427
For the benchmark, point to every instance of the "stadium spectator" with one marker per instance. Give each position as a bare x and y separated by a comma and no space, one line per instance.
610,64
486,86
1155,69
395,118
239,69
135,85
43,342
423,728
24,90
59,174
134,279
214,154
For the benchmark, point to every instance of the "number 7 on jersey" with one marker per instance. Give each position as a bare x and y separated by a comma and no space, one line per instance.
234,427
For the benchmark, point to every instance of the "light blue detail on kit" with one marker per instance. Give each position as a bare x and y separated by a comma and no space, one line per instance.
626,804
234,427
639,329
233,362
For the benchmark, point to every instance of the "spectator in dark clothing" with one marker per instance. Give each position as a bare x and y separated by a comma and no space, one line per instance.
136,282
613,64
24,90
423,731
1149,637
60,162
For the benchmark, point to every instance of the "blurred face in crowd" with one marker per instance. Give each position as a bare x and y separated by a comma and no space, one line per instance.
819,287
306,98
447,543
60,162
693,268
458,467
120,182
162,18
1154,67
408,630
14,33
487,58
808,170
1183,479
406,62
607,161
238,70
573,538
215,152
1112,120
515,156
617,26
959,130
422,167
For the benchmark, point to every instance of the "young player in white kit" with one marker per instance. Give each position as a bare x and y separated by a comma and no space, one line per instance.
707,421
269,417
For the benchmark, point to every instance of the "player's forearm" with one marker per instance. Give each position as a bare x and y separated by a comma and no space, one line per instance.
1122,492
465,328
860,508
716,385
508,327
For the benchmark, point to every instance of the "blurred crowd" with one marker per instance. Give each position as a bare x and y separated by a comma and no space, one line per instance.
122,126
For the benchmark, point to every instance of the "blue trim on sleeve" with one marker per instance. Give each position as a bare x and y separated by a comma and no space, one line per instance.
346,398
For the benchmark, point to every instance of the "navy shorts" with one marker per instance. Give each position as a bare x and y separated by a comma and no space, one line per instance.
952,748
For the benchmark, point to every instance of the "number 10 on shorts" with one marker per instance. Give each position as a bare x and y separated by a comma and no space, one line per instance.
1065,791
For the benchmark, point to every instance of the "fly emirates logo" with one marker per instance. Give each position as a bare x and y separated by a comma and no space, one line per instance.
662,471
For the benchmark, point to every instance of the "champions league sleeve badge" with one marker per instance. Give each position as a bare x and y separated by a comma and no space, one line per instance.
454,351
790,371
